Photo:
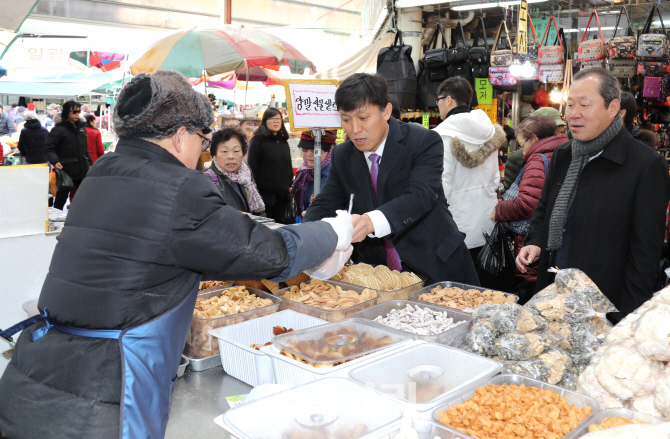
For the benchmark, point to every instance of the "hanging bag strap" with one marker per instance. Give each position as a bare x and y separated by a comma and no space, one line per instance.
495,44
586,31
475,43
618,20
462,36
546,33
532,29
650,18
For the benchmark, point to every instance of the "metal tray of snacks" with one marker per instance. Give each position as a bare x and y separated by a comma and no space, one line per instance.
330,312
459,300
599,417
199,343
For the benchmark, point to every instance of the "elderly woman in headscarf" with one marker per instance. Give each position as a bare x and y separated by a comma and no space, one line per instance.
303,185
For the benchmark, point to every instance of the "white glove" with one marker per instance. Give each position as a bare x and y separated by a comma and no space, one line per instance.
343,227
331,266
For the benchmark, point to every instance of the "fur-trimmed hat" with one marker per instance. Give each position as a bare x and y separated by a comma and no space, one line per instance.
307,140
155,106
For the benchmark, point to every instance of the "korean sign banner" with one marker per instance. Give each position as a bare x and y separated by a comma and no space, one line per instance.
311,103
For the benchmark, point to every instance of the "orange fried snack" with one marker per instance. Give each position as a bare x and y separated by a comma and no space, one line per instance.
511,412
613,422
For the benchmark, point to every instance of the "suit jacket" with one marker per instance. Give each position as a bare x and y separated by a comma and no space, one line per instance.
618,223
410,194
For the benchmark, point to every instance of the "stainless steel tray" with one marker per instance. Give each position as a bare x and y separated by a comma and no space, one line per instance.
200,364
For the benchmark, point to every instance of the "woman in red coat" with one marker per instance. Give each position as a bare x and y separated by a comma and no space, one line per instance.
93,138
535,135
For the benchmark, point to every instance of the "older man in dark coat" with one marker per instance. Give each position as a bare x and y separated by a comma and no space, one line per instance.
603,202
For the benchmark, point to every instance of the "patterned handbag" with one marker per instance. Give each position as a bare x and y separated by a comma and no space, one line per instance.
592,50
532,46
602,63
622,47
653,46
653,68
656,88
623,68
500,78
550,54
551,73
501,58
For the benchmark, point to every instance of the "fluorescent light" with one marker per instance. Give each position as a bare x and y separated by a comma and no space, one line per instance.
414,3
475,6
567,31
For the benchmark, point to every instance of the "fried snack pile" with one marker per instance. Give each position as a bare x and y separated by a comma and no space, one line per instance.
231,301
332,346
379,278
277,330
510,411
206,285
613,422
459,298
325,433
327,296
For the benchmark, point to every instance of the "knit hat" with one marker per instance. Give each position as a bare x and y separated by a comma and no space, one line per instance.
551,112
307,140
20,109
53,107
155,106
526,110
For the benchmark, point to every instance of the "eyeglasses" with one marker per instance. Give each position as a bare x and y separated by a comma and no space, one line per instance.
75,111
437,101
206,142
275,119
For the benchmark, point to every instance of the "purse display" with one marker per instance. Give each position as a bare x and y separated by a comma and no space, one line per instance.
436,60
457,54
622,47
656,88
623,68
502,79
549,73
501,58
395,64
601,63
592,50
653,68
551,54
480,56
653,46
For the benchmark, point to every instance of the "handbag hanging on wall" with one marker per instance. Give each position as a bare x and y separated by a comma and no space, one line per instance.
532,46
501,58
653,46
551,54
436,60
592,50
458,59
480,56
395,64
622,47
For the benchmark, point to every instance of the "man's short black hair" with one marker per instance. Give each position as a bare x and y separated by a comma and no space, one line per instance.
395,110
629,104
362,89
458,88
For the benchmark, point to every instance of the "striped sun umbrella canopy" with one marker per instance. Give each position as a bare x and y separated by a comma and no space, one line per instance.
219,50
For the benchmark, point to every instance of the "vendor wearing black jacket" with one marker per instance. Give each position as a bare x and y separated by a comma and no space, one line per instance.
603,202
33,140
67,149
123,279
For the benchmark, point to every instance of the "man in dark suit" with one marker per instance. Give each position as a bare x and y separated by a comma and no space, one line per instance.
400,214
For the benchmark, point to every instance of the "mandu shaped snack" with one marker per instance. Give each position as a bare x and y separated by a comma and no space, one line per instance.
573,280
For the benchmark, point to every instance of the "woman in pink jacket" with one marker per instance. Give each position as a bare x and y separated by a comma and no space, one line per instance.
535,135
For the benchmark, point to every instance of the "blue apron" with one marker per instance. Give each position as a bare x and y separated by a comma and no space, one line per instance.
150,354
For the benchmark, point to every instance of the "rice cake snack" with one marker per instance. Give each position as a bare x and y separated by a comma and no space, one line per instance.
379,278
465,300
320,294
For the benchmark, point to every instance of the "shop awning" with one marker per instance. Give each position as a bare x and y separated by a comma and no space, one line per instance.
46,89
363,61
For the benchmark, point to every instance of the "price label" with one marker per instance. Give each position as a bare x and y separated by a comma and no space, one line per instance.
426,120
340,136
484,91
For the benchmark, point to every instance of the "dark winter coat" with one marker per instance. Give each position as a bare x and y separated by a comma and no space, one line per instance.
33,142
270,163
530,190
231,192
6,124
67,145
619,219
134,244
512,167
411,197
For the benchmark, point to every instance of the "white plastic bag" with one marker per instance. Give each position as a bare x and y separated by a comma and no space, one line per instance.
332,265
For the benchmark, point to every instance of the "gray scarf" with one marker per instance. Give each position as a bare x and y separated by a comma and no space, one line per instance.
566,195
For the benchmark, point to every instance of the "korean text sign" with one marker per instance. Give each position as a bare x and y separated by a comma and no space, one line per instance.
311,104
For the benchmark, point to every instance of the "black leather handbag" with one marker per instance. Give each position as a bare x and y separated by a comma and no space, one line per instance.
426,90
435,60
458,54
480,56
395,64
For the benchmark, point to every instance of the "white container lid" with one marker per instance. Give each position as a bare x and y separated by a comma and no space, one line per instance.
352,338
324,406
426,374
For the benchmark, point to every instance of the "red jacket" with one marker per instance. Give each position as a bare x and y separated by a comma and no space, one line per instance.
94,141
530,190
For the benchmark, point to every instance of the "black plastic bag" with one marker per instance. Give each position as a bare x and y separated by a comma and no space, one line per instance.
395,64
495,262
63,181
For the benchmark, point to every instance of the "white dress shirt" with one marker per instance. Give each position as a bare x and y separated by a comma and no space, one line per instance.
378,219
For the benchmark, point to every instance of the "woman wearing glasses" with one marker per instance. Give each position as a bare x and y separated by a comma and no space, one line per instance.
67,149
270,163
303,186
231,175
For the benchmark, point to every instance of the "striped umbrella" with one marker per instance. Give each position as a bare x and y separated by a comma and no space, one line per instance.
218,50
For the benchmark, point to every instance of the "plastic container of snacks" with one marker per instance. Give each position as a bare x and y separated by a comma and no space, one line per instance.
414,296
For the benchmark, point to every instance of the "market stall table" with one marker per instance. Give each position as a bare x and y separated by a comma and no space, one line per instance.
198,398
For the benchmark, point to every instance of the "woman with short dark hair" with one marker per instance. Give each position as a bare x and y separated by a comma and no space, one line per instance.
231,175
270,163
536,137
93,138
